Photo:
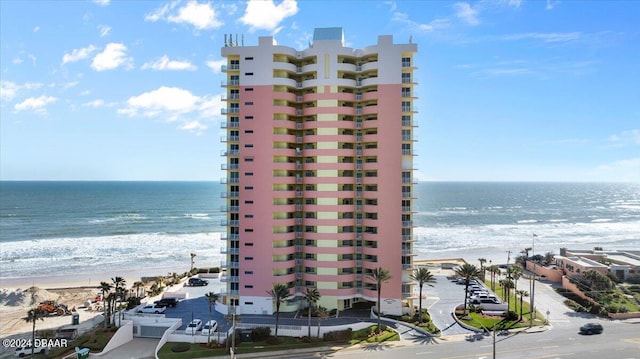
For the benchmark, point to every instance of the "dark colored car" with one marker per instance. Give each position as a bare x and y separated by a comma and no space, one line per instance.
591,328
167,302
197,282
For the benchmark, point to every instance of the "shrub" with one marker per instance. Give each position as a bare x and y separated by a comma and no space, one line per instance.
511,315
180,347
339,335
260,333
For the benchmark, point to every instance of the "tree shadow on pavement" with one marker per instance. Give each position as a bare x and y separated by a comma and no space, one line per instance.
424,340
376,347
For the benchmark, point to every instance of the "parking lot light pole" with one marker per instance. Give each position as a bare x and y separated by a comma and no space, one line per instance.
533,281
494,336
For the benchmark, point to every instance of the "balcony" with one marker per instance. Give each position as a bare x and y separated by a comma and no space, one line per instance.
228,223
226,278
224,264
407,223
225,180
232,124
229,237
229,153
224,250
232,194
225,83
229,166
225,111
230,139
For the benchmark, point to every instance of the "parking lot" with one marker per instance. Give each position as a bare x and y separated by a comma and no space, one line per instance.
195,306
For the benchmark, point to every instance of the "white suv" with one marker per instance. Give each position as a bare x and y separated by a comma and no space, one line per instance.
153,309
26,351
193,327
209,327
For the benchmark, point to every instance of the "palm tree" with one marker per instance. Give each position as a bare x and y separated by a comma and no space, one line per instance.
119,287
522,293
321,313
137,285
379,275
422,276
105,288
193,255
482,267
516,273
278,293
312,298
211,301
468,272
493,270
32,317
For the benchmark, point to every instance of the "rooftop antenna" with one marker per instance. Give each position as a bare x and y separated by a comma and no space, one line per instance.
410,39
242,40
237,40
230,39
225,40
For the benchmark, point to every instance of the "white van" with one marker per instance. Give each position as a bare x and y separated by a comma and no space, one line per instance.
209,327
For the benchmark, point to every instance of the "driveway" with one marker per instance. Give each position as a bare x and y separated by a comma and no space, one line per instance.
441,301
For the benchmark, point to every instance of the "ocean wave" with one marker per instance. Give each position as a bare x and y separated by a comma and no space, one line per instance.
601,220
527,221
116,252
197,215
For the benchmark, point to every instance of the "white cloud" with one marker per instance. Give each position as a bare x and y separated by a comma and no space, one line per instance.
17,61
201,16
194,126
626,170
113,56
164,63
36,29
101,2
78,54
32,58
266,15
104,30
551,4
8,89
466,13
216,65
94,103
625,138
36,104
549,37
420,27
68,85
175,104
170,100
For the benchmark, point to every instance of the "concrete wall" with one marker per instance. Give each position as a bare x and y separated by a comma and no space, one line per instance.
553,274
121,337
165,337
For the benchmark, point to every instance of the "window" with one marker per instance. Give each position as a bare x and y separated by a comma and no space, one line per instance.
248,216
406,78
249,201
248,131
249,286
248,73
249,89
248,145
248,117
248,230
248,159
406,106
248,272
248,174
406,92
406,62
248,303
250,188
249,58
248,258
249,244
249,103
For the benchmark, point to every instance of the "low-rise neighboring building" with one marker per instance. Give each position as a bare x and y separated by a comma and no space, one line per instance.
623,264
577,265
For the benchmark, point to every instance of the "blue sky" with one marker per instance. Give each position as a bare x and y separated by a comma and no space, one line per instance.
510,90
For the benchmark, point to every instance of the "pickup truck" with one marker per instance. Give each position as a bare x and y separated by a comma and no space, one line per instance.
167,302
153,309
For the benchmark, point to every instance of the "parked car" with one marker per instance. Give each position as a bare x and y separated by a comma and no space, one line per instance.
193,326
591,328
167,302
209,327
22,352
152,308
197,282
489,300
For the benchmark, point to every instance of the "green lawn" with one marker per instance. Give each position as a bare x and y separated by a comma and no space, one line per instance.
285,343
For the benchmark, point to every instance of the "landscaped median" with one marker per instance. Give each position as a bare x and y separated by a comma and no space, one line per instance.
271,345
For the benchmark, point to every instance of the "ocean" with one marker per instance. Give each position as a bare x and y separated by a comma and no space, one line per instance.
71,229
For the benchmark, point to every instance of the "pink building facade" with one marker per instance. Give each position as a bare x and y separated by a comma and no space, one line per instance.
319,172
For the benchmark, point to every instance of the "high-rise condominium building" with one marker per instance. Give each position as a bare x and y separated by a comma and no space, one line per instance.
319,172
